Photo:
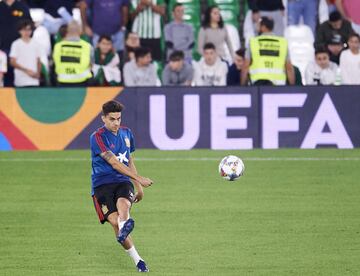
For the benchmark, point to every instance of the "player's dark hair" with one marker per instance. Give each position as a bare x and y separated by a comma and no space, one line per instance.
111,106
104,37
176,5
141,52
25,23
240,53
321,50
335,16
267,22
208,46
207,18
176,56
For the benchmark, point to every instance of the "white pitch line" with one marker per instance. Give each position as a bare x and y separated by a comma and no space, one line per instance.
199,159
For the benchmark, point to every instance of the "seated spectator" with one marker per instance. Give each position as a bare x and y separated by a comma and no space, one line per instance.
25,57
106,63
72,58
321,71
210,70
335,25
214,31
350,61
140,72
179,36
349,9
307,9
233,76
335,46
147,16
177,72
3,67
107,17
132,42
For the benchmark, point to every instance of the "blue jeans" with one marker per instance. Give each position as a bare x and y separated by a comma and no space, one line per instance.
308,9
117,40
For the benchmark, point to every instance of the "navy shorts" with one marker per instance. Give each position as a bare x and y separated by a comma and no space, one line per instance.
106,196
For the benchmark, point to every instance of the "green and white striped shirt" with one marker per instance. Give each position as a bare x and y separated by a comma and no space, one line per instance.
147,24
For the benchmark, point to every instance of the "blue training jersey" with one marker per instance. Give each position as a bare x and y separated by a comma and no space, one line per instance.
121,145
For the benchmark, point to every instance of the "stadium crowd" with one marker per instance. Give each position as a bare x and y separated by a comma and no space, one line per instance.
176,42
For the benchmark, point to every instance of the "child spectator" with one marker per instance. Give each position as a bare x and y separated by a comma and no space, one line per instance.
25,57
106,66
233,76
321,71
213,31
140,72
3,67
210,70
177,72
350,61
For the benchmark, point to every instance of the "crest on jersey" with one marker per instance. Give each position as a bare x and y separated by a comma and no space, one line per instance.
127,142
104,208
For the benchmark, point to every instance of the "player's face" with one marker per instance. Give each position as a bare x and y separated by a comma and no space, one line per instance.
112,121
322,59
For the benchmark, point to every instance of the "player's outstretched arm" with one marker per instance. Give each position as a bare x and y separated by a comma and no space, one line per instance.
109,157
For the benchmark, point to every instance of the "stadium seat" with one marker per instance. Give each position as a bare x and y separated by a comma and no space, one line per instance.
301,50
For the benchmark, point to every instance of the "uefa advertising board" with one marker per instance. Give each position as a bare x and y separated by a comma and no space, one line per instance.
181,118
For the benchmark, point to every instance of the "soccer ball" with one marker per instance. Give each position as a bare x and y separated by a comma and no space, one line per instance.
231,168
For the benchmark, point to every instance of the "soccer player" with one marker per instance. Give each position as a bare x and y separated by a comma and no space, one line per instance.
113,172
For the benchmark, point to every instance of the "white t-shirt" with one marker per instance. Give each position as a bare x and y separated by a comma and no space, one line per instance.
315,75
350,67
205,75
3,62
26,54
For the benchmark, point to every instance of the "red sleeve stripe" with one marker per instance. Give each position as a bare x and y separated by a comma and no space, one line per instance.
100,142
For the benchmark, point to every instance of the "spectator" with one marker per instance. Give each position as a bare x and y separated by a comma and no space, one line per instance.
179,36
307,9
273,9
321,71
3,67
140,72
25,57
210,70
335,46
233,76
350,61
11,13
268,57
147,23
213,31
177,72
107,17
335,25
106,65
72,58
58,13
132,42
350,10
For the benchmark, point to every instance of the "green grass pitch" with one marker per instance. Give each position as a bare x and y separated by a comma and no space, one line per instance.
294,212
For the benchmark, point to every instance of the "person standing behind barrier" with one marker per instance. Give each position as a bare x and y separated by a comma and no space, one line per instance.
350,61
268,58
25,57
72,58
214,31
307,9
322,71
140,72
233,75
210,70
177,71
